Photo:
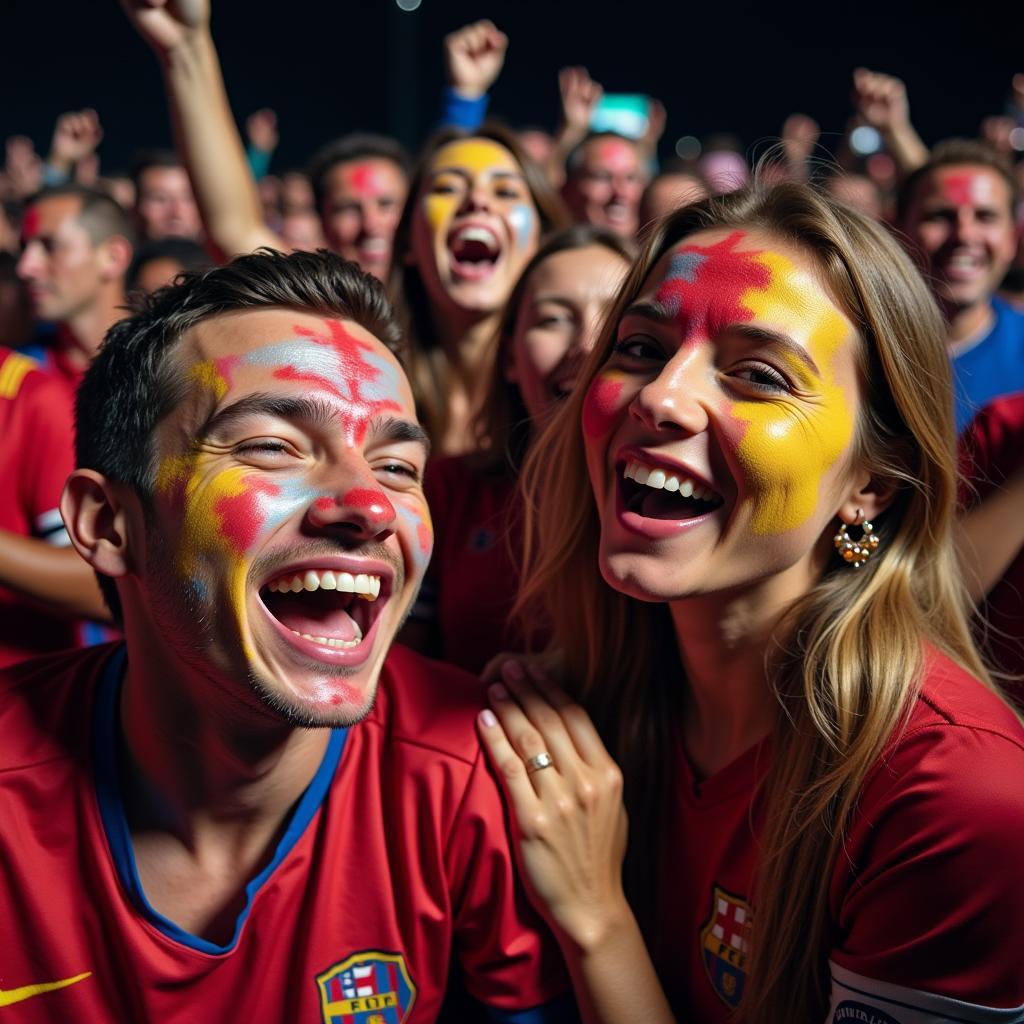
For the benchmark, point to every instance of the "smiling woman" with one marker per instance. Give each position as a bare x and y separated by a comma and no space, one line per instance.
817,769
478,208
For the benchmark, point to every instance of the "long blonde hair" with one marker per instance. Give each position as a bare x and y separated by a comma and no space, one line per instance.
848,661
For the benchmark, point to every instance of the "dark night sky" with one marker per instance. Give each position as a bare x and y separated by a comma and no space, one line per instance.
332,66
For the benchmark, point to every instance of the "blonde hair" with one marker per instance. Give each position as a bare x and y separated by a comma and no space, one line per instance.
848,661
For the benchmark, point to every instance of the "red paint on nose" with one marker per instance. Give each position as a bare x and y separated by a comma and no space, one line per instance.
601,406
375,504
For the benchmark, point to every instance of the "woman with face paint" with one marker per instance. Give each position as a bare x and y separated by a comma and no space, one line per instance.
477,210
739,532
548,326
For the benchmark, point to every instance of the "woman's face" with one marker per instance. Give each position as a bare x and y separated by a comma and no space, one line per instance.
719,431
475,225
557,324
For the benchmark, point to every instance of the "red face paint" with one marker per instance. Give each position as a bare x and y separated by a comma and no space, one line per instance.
364,179
240,515
379,511
702,278
425,536
30,224
617,156
959,188
601,405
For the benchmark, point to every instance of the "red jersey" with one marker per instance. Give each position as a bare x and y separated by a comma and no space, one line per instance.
925,901
36,456
993,447
473,578
395,863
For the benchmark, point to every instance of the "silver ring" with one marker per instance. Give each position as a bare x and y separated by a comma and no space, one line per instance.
539,761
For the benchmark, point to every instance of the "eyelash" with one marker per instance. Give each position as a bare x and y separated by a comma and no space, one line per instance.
778,381
401,469
263,446
653,351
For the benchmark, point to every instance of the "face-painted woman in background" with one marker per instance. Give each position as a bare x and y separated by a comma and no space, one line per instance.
477,210
744,551
548,327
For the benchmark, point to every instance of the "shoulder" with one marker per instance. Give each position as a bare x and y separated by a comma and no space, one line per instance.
45,706
1008,317
429,703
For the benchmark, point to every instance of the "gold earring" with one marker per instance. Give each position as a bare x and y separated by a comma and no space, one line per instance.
856,552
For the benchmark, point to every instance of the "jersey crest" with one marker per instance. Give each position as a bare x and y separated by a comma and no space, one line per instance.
367,988
724,942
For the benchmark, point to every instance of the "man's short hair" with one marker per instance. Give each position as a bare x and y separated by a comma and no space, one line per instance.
101,216
575,157
147,158
132,383
357,146
954,152
186,251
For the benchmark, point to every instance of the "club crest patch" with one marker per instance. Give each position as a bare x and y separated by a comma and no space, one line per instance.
725,942
370,987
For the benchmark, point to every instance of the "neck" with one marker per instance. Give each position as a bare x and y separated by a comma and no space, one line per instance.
82,334
200,770
968,324
467,338
724,640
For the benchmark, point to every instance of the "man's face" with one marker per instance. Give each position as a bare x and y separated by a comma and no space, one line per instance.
362,203
63,269
960,219
165,205
289,532
605,188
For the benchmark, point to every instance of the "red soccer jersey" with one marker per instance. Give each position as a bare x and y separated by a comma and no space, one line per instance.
926,899
993,448
394,864
473,578
36,456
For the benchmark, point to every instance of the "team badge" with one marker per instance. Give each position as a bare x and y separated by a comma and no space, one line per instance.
724,942
367,988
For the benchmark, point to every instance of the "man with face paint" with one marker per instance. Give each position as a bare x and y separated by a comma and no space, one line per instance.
958,212
604,183
276,814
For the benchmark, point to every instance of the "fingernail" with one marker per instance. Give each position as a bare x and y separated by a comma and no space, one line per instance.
498,692
487,718
513,670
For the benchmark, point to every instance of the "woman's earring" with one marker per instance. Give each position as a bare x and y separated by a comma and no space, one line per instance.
856,552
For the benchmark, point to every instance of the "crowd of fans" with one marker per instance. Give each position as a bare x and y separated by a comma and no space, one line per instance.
508,256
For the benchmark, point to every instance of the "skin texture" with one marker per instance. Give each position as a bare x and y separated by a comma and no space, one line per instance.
473,182
738,370
361,207
960,220
62,267
558,323
241,498
165,206
606,186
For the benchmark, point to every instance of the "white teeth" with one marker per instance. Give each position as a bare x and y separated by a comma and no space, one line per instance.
475,234
332,641
362,585
658,480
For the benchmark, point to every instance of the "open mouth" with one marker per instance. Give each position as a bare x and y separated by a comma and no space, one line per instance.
659,494
474,251
326,607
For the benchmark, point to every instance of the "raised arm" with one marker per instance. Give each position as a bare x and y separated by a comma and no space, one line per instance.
881,102
204,128
580,94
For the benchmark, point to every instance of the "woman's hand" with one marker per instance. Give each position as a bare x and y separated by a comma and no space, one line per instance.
567,806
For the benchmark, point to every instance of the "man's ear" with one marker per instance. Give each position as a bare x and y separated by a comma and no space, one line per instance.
96,517
868,497
115,255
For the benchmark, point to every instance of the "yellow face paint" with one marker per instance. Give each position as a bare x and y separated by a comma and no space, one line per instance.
786,449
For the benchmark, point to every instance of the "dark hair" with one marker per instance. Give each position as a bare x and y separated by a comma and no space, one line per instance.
146,158
357,146
428,368
575,157
190,254
101,216
132,384
949,153
502,425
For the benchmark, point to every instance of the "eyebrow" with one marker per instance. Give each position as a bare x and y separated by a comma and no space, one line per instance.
390,428
308,410
660,314
463,173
